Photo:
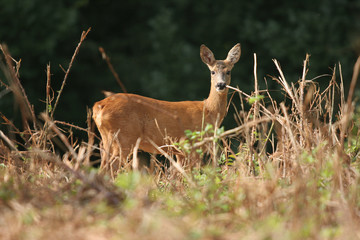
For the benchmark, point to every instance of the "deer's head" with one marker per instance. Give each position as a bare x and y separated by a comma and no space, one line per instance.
220,69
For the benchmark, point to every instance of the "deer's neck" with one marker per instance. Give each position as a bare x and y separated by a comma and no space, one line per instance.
215,106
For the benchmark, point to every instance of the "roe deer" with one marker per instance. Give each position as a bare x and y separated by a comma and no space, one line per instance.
123,118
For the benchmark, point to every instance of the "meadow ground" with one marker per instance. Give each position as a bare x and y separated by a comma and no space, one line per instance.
294,173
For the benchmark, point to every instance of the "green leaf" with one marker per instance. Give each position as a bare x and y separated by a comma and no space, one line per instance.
254,99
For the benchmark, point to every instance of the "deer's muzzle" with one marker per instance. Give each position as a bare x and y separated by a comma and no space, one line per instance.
220,86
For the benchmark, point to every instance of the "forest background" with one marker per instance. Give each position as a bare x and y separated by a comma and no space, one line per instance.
154,46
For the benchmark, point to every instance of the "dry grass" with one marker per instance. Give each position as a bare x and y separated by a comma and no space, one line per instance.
307,188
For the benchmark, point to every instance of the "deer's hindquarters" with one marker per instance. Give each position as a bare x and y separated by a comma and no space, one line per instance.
119,123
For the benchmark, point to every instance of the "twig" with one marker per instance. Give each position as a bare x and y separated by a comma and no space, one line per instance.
173,162
12,125
238,90
112,197
48,88
342,94
256,104
63,138
83,36
135,162
256,113
9,143
18,89
288,127
302,86
267,139
73,126
91,135
331,108
348,106
286,86
232,131
116,76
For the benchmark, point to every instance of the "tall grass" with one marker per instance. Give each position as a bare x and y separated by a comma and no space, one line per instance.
294,174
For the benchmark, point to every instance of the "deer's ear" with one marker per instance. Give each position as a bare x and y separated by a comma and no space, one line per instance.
234,54
206,55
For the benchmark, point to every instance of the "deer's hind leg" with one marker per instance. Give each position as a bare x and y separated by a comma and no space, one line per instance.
114,153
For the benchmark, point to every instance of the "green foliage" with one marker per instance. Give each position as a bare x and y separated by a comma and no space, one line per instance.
212,194
6,191
128,181
193,137
254,99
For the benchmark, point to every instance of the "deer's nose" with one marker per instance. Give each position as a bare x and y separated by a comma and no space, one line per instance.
221,85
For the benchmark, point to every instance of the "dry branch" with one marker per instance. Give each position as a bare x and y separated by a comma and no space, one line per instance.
27,109
116,76
83,36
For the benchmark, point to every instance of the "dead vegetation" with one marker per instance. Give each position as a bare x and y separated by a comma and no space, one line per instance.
294,175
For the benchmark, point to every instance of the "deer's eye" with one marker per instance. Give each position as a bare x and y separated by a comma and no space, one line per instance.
228,73
212,72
